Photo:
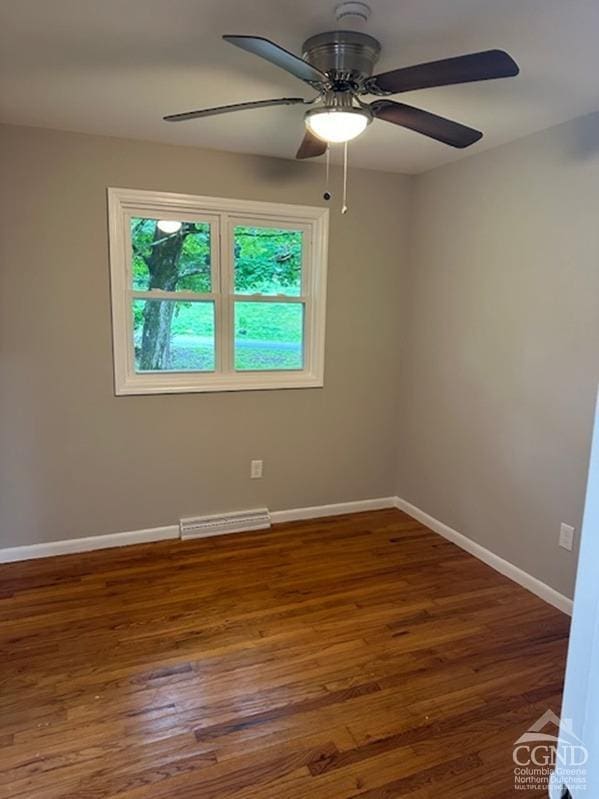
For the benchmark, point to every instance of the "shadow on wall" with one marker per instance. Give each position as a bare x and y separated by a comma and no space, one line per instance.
278,170
586,139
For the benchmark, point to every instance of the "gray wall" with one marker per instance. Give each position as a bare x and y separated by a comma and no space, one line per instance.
500,357
463,322
74,459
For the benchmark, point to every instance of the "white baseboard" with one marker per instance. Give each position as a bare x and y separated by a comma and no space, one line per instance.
338,509
504,567
70,546
110,540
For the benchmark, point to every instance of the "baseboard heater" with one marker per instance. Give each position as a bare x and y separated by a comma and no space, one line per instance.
222,523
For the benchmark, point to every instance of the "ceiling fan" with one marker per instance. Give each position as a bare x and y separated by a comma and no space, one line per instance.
339,65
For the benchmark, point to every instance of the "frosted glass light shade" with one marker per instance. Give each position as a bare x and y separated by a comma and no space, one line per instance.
336,126
169,225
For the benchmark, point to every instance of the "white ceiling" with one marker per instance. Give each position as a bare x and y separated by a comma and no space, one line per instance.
117,66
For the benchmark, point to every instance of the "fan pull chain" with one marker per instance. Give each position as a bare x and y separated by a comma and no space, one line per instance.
327,191
344,206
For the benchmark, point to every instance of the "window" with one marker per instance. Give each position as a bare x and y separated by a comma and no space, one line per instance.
214,294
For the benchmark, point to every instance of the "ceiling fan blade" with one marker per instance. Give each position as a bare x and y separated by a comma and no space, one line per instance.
431,125
487,65
278,56
311,146
225,109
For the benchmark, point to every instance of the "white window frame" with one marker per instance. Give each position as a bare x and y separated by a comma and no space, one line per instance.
223,214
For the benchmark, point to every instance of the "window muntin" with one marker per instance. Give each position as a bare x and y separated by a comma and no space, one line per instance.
223,295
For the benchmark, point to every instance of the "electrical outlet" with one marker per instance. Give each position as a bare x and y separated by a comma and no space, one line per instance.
566,536
255,469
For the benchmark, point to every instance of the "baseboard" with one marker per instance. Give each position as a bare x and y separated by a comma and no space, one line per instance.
48,550
110,540
338,509
550,595
542,590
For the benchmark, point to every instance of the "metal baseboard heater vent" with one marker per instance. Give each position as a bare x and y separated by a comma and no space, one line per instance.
222,523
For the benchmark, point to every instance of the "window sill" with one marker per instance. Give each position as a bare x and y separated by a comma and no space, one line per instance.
187,384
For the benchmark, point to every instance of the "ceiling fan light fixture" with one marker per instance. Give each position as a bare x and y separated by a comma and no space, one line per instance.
337,125
339,66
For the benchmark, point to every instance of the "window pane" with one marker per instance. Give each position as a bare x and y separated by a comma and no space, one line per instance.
169,335
268,260
269,335
170,255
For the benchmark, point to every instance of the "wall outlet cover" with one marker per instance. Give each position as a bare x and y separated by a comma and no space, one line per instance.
566,536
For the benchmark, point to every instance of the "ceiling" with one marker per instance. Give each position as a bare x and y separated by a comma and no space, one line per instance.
115,67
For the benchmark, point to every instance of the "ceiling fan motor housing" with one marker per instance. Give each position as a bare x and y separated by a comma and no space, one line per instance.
347,57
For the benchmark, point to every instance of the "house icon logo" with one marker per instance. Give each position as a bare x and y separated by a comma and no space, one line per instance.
548,744
547,729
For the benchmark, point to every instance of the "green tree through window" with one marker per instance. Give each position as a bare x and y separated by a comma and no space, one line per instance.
177,261
266,261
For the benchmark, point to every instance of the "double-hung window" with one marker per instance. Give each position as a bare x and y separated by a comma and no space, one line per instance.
213,294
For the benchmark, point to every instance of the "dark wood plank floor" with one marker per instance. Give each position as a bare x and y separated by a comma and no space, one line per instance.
359,656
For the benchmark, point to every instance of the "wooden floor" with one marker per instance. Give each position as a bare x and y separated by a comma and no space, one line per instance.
360,656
